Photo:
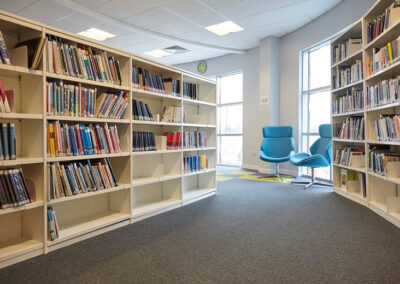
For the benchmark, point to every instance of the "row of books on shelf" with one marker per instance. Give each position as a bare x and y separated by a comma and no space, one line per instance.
147,80
141,111
194,139
68,179
143,141
189,90
383,92
349,156
6,99
343,50
383,21
383,161
14,190
353,181
348,74
8,145
353,100
5,57
195,163
72,140
174,113
351,128
75,100
384,57
81,61
387,128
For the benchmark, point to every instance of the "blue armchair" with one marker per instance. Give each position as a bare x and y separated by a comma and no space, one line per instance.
321,155
278,145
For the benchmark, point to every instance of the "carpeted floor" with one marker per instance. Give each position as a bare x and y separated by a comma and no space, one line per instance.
250,232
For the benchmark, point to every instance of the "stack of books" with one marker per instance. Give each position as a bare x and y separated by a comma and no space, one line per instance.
384,92
143,141
79,139
384,162
111,105
196,163
352,128
353,100
382,22
81,61
347,156
387,128
348,74
343,50
141,111
147,80
384,57
190,90
13,189
4,55
76,178
8,145
194,139
174,113
174,140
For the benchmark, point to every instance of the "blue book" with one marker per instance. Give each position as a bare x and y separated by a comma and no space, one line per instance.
11,143
51,224
89,141
71,180
4,140
83,139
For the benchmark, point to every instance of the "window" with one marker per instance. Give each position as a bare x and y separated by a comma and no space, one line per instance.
315,99
230,119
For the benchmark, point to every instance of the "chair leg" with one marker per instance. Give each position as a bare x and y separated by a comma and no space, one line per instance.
276,175
312,182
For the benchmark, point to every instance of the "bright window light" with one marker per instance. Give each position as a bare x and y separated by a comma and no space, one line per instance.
96,34
158,53
224,28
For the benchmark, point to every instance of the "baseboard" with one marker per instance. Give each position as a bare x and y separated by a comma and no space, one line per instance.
261,170
249,167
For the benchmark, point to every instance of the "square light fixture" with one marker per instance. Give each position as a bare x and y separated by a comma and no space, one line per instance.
158,53
96,34
224,28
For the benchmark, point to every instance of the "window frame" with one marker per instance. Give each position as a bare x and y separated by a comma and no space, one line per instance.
219,105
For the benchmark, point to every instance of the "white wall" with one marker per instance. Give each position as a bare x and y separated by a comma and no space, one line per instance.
320,29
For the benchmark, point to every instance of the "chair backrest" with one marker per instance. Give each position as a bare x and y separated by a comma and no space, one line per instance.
278,141
323,145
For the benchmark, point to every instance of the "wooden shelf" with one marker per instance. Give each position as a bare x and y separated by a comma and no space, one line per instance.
146,122
150,180
22,207
376,142
15,71
384,37
348,140
393,180
148,94
87,157
155,152
88,224
18,246
199,149
197,102
382,107
148,208
86,119
349,59
21,161
13,115
356,112
87,82
345,88
199,172
361,170
378,208
196,193
199,125
88,194
384,73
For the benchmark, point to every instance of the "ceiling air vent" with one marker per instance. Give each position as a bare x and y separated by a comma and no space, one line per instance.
176,49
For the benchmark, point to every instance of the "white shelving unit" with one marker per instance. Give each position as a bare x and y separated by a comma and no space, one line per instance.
382,194
150,183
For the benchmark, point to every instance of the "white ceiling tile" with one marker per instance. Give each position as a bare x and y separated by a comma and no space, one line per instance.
91,3
219,3
315,8
186,7
128,39
268,30
176,28
53,10
15,6
121,9
293,24
207,18
69,26
152,18
116,30
150,45
85,20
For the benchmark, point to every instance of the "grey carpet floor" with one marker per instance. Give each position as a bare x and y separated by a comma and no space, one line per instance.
251,232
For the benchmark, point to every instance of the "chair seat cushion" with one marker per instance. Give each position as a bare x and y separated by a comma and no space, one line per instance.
306,160
274,160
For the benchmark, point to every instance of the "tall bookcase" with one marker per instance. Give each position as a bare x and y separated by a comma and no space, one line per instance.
381,192
150,182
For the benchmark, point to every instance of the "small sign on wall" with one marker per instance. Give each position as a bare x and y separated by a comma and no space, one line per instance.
264,101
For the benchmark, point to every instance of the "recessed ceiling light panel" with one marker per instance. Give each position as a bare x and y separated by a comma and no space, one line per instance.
224,28
96,34
158,53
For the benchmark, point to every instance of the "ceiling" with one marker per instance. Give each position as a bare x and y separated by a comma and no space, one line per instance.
179,20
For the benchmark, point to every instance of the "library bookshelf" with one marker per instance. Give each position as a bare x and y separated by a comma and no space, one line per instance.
379,192
149,183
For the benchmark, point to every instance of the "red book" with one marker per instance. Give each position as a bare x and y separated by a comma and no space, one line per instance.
78,139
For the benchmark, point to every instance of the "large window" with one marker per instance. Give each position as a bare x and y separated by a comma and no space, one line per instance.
315,99
230,119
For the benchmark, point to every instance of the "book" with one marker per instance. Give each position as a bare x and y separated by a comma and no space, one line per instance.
141,111
383,92
174,113
353,100
172,86
351,128
195,163
174,140
35,50
143,141
4,105
13,188
189,90
4,54
194,139
348,74
52,223
147,80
